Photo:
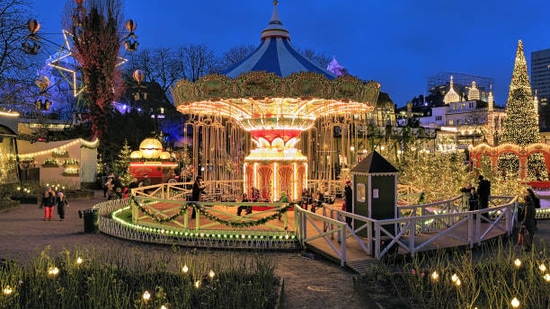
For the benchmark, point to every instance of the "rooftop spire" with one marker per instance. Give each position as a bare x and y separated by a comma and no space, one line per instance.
275,27
451,95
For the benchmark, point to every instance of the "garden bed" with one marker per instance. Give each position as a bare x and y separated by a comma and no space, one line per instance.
8,204
119,279
27,199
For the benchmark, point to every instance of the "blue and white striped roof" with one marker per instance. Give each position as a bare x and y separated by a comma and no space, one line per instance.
276,55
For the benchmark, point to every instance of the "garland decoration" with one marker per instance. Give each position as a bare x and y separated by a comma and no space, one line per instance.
202,210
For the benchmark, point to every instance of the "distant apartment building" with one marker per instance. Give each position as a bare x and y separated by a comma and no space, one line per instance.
540,83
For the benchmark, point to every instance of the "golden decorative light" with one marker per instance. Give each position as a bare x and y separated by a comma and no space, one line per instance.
150,148
135,154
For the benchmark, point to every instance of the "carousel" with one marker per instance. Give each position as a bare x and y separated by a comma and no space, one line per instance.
276,120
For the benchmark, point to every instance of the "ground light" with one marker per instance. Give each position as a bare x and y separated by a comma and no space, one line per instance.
515,303
146,296
53,271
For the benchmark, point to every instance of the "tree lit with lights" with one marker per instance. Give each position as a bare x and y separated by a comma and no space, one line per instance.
521,125
521,122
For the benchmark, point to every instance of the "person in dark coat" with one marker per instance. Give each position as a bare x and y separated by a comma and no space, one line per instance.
529,222
348,198
196,192
62,203
483,192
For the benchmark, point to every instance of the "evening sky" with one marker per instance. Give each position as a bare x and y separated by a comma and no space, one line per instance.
399,43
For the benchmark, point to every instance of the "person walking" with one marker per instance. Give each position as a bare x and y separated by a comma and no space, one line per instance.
62,203
196,192
348,200
48,202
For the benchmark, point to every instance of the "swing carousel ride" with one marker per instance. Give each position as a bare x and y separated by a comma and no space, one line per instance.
296,122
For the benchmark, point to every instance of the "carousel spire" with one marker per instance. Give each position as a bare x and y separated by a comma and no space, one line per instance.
275,27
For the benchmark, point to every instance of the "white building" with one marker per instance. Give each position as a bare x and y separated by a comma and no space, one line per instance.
469,119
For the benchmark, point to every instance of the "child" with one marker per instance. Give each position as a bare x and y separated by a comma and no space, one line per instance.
61,202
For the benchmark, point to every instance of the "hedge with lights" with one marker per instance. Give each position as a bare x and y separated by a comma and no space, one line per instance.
201,210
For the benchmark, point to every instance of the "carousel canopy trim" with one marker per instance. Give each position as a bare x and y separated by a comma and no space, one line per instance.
304,95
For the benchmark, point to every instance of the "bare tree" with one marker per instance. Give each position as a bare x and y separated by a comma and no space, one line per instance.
235,55
196,61
17,70
321,60
159,65
95,27
141,60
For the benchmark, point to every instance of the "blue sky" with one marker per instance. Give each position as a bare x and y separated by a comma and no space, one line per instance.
398,43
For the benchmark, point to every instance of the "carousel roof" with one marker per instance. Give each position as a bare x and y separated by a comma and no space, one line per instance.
276,55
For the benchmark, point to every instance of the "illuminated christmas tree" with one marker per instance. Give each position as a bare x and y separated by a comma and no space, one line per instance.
122,166
521,124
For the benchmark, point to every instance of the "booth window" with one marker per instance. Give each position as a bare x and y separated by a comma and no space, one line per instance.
361,192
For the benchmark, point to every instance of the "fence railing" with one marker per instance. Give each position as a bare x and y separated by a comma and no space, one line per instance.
374,237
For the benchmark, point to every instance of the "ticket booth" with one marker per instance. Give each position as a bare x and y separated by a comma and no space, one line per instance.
375,190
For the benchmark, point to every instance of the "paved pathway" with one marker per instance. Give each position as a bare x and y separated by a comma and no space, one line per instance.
23,232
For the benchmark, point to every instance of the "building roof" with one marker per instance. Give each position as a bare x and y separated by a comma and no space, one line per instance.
275,54
374,163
